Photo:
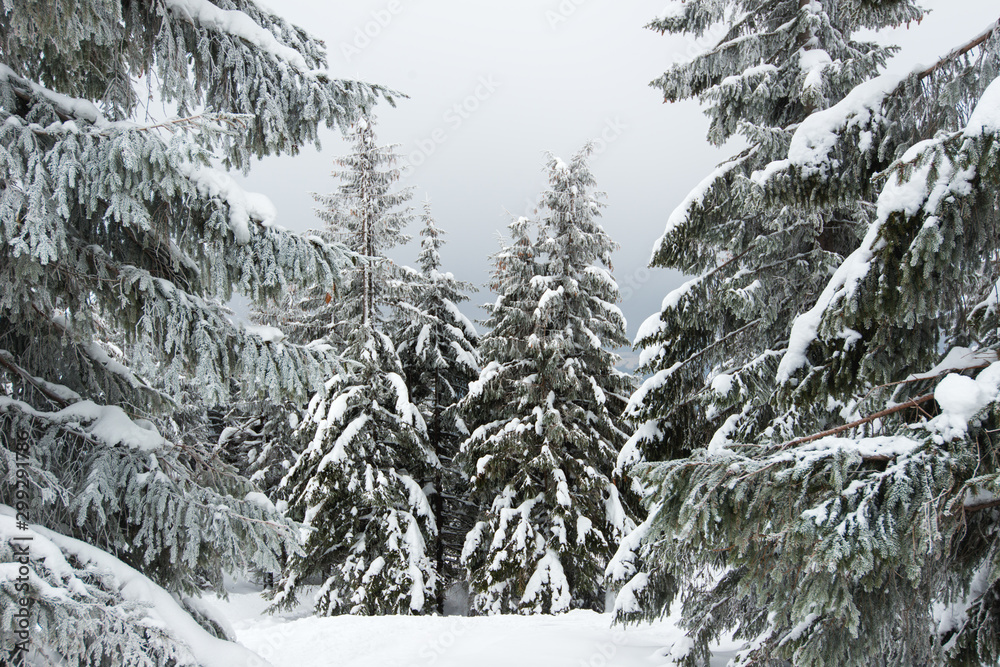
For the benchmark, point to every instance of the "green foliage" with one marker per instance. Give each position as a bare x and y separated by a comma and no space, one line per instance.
119,245
438,348
366,520
545,410
358,485
874,542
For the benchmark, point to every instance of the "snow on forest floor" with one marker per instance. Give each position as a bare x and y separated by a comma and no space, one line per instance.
576,639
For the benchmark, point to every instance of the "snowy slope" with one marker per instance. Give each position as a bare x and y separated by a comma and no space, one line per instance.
576,639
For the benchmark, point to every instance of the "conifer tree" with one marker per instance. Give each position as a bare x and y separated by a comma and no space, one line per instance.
711,353
546,408
438,350
368,214
112,230
358,486
367,521
859,519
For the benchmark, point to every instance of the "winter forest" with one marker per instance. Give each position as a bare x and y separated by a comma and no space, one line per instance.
226,443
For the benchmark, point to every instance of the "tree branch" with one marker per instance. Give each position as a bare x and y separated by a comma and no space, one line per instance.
7,361
960,51
912,403
982,506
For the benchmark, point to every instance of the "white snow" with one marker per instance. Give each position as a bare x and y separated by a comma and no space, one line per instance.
164,611
262,501
80,108
550,575
626,599
722,384
749,73
339,451
629,455
106,423
958,358
813,62
717,446
843,283
570,639
961,398
266,333
694,199
562,488
404,408
818,133
467,325
243,206
464,357
986,117
674,9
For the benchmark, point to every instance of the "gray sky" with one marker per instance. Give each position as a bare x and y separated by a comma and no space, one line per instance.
494,85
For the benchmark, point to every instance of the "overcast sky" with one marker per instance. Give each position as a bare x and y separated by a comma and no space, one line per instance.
492,86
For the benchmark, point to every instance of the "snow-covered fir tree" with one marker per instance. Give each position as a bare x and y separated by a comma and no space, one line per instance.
368,213
356,489
360,485
110,230
546,412
712,350
849,513
438,347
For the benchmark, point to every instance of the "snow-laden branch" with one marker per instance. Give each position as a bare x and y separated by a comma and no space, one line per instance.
163,610
238,24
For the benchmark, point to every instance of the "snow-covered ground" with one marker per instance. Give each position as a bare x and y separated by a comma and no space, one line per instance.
576,639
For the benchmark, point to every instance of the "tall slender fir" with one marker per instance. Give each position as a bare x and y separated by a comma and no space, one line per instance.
438,347
359,485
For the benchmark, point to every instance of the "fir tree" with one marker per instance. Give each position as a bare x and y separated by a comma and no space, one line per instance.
367,214
711,353
438,349
115,231
545,409
357,486
366,519
859,519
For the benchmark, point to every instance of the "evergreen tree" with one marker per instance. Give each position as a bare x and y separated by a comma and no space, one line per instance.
438,349
711,353
366,520
546,412
367,214
357,486
111,231
859,520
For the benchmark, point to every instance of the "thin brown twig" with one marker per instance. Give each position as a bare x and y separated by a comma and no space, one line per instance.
7,361
912,403
982,506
